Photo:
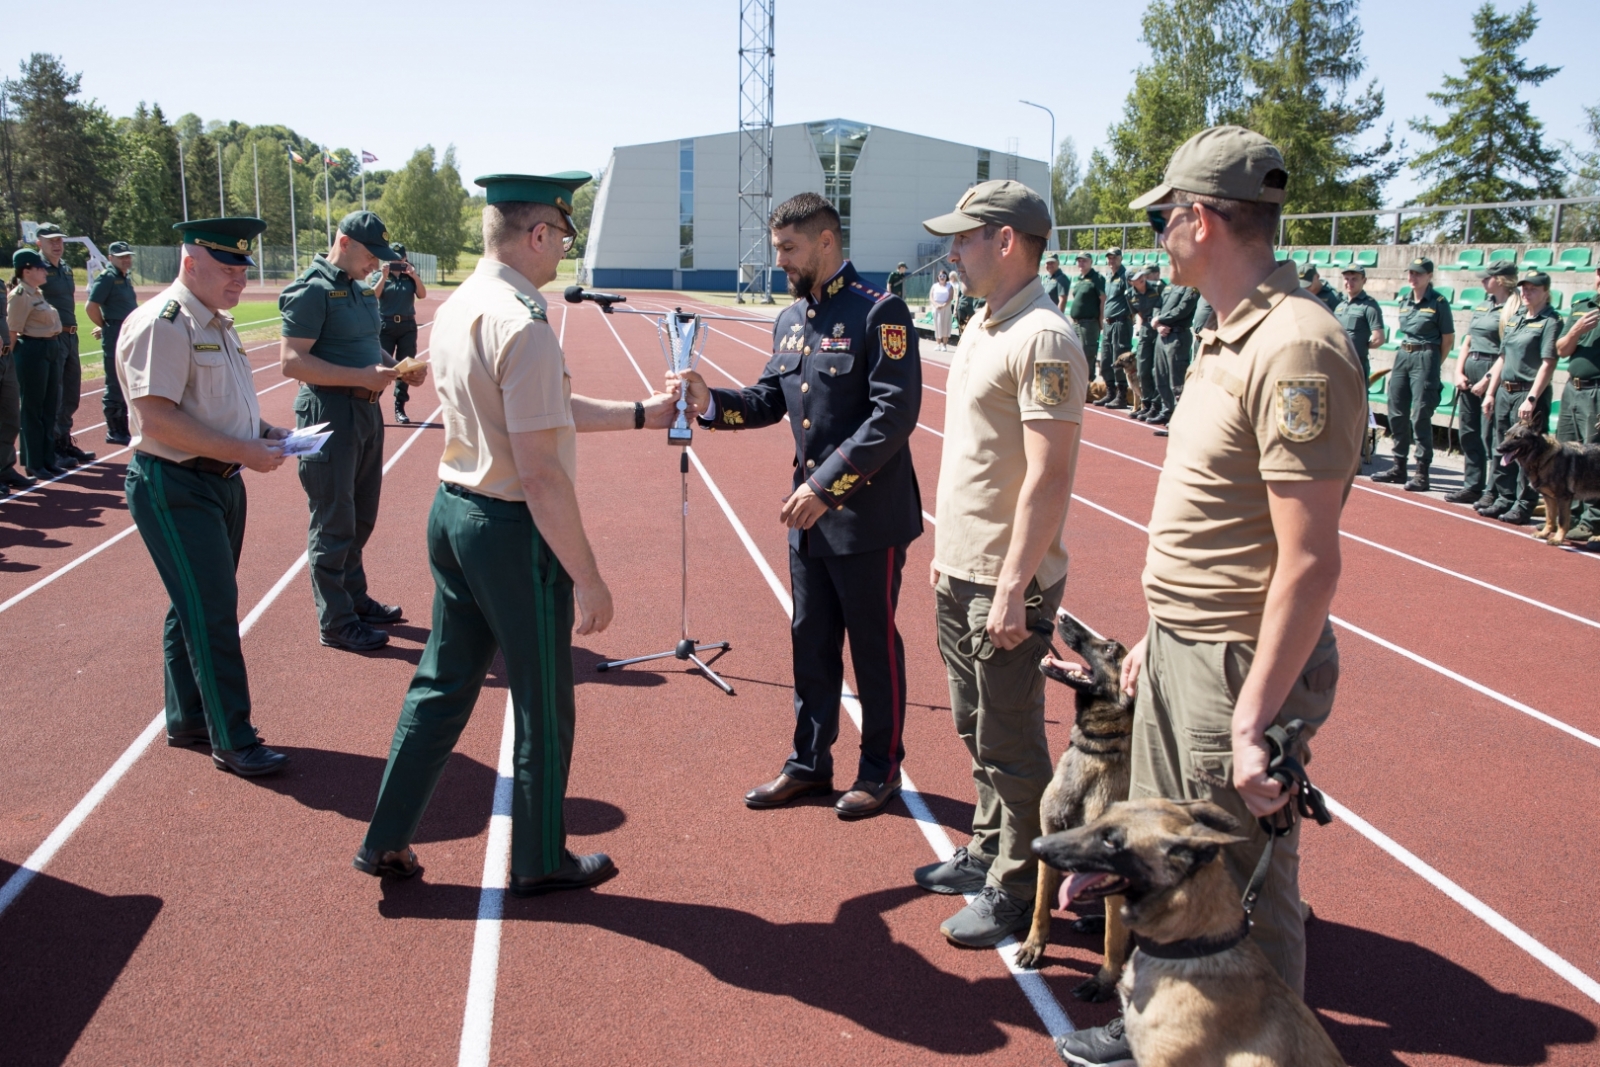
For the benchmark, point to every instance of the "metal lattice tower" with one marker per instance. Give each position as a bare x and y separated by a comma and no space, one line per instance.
756,22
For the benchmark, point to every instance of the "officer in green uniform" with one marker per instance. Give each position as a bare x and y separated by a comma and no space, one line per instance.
398,289
60,290
1519,384
1117,335
1056,285
1312,283
1426,332
1173,322
1145,299
111,300
330,342
196,424
1085,299
1361,317
1479,349
1579,420
897,280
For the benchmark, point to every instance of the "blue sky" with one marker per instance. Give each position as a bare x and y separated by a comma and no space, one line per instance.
544,87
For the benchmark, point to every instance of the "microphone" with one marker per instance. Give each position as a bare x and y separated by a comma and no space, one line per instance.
576,294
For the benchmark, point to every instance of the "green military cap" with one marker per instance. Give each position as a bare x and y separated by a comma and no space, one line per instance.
1355,268
557,190
1085,255
228,240
1535,277
1423,266
1307,272
120,248
49,229
1154,268
399,249
995,203
1503,269
900,265
23,258
367,228
1230,162
1114,250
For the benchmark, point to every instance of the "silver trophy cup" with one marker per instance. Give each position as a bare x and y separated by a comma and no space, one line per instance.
683,338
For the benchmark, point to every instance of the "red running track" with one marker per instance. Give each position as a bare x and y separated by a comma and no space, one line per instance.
196,916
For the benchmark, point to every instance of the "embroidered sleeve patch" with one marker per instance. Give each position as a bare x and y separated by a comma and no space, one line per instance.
841,485
893,339
1051,381
732,418
1302,407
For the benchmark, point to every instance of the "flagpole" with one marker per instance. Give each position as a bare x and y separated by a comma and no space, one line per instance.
261,245
183,182
222,205
294,224
327,201
364,181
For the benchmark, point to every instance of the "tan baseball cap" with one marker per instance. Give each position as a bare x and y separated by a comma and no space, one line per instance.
999,203
1230,162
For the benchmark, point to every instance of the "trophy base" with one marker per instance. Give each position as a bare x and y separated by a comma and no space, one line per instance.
677,436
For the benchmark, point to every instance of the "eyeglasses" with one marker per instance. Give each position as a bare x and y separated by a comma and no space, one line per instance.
568,237
1158,220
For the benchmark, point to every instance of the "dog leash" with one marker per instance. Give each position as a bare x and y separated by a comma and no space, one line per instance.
1305,802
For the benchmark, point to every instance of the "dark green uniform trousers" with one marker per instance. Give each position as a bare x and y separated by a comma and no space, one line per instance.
1414,390
1474,428
111,401
10,411
343,483
39,383
1088,331
497,587
71,385
193,525
1117,339
1579,421
1144,363
1510,484
1172,365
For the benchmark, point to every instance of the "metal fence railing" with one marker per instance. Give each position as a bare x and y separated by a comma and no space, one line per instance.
158,264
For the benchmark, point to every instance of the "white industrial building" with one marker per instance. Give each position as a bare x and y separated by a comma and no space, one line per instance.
666,216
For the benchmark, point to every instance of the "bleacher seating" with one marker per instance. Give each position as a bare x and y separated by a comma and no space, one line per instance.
1555,299
1367,257
1342,257
1503,255
1574,259
1300,256
1469,259
1321,257
1446,291
1581,295
1537,259
1473,295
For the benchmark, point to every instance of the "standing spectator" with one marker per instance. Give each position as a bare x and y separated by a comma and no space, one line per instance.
1579,420
897,281
1313,284
1360,316
1086,302
941,297
1116,336
1479,349
10,414
60,290
1519,390
1426,332
36,326
1145,299
398,289
1174,342
111,300
1056,285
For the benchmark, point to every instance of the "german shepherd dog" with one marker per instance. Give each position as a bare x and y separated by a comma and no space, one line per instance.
1561,471
1091,775
1197,991
1130,371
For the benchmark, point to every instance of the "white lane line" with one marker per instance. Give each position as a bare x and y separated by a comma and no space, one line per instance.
59,571
477,1023
40,858
1051,1014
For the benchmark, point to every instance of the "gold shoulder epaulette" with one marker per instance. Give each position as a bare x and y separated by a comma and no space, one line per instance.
535,312
170,312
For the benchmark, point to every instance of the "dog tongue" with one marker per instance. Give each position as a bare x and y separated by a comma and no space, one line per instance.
1505,461
1075,885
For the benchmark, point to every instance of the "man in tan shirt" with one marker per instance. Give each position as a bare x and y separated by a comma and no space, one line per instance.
1014,408
506,542
1244,533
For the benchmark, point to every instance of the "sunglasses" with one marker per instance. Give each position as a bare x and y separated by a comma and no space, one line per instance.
1158,218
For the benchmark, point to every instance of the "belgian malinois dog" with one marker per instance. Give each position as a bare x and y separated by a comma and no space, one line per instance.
1561,471
1130,371
1197,991
1091,775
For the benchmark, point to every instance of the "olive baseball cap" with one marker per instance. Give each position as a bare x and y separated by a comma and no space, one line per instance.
367,228
23,258
399,249
1503,269
1307,272
1114,250
226,239
1535,277
999,203
1153,268
1085,255
1424,265
1355,268
120,248
48,229
1230,162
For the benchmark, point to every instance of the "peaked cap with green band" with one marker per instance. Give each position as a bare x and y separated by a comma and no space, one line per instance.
228,240
557,190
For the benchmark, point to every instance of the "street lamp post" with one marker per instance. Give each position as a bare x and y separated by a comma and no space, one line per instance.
1050,167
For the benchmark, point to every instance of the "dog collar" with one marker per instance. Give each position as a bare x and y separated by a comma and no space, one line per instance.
1193,948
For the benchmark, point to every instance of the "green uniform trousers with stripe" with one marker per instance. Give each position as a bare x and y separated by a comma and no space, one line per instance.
193,525
497,588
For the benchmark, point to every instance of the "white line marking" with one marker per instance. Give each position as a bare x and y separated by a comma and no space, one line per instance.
40,858
477,1023
58,572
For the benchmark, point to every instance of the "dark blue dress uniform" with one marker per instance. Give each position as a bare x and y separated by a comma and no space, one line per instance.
846,371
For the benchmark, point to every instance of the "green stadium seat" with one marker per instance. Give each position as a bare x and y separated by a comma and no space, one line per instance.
1099,259
1446,291
1343,257
1537,259
1300,257
1555,299
1404,293
1472,295
1165,259
1469,259
1322,257
1574,259
1136,259
1367,257
1503,255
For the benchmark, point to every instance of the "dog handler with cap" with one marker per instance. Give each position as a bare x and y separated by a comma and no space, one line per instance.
506,542
1244,532
1017,386
1579,421
1519,391
1480,349
195,424
330,342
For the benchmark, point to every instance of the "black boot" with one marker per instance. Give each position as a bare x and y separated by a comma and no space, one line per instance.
1395,475
400,415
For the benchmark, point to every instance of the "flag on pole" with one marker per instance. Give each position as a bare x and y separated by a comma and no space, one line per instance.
296,156
332,161
368,157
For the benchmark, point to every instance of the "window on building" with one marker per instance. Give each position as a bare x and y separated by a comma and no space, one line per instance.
983,164
686,205
839,145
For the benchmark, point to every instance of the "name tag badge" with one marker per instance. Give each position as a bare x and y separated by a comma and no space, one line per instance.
208,348
334,294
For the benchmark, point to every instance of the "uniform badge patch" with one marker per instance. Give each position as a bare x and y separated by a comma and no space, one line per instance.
838,329
893,339
170,312
1051,381
732,418
835,285
535,312
208,348
1302,407
841,485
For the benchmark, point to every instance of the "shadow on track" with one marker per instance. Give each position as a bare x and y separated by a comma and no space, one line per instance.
1407,1000
62,947
584,662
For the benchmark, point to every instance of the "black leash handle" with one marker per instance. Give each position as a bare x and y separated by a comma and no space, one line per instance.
1305,800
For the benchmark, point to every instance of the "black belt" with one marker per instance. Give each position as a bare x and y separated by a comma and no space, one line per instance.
69,329
1119,318
1090,318
401,318
351,390
203,464
1482,355
1426,347
1583,383
1515,387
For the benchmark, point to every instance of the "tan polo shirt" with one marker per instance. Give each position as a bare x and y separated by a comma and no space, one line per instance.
1015,364
29,314
176,347
499,370
1274,393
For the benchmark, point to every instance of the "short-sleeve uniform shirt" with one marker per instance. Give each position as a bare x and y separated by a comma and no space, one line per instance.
1529,340
29,314
1425,319
60,289
1056,286
1117,289
1083,300
328,306
1274,394
113,291
1484,328
1585,359
499,370
176,347
1361,317
399,296
1016,363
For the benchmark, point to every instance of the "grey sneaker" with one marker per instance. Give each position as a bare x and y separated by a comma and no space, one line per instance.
1103,1046
959,875
988,920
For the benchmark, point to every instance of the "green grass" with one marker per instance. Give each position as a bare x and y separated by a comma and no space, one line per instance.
256,320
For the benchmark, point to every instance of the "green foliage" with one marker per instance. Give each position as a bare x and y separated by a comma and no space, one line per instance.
1582,222
582,213
57,145
1489,146
146,202
1073,200
472,224
422,206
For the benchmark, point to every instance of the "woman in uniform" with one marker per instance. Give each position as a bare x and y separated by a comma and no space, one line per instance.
1479,349
36,326
1519,388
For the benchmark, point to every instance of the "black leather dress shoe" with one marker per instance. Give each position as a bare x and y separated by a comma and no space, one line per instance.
375,614
70,450
782,789
45,474
401,864
118,437
16,480
189,739
866,798
63,461
249,762
575,872
355,637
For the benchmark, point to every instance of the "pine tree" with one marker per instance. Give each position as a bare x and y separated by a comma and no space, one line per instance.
59,147
1489,146
1074,202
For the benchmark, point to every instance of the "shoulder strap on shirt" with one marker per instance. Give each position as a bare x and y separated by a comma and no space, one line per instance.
535,312
170,312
